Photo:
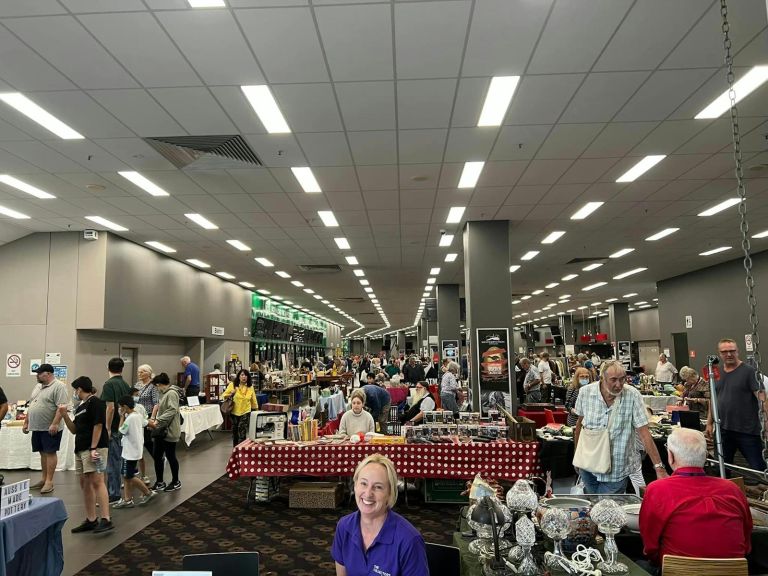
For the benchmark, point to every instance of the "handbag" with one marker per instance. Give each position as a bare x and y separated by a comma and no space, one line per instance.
159,433
227,406
593,452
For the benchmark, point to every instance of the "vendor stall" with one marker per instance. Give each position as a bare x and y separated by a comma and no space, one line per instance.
16,449
660,403
199,419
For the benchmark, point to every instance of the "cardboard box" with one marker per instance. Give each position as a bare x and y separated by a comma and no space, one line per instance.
316,495
273,407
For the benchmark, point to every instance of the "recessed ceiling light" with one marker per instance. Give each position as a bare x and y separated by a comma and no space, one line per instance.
266,263
364,282
611,299
276,297
630,295
526,297
455,214
641,302
714,251
143,183
246,284
497,99
552,285
593,286
352,260
202,221
264,291
452,257
641,168
306,179
595,303
516,301
239,245
569,277
206,3
297,283
425,294
514,268
24,187
342,243
724,205
530,255
358,272
594,266
309,290
629,273
45,119
328,218
371,295
446,239
198,263
106,223
537,292
583,307
745,86
470,174
564,296
266,108
317,296
289,302
368,289
553,237
434,271
18,215
586,210
662,234
160,246
761,234
281,273
622,252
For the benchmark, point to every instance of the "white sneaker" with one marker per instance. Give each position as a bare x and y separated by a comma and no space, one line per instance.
146,480
123,504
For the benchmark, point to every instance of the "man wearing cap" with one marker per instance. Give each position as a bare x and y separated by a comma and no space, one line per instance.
43,420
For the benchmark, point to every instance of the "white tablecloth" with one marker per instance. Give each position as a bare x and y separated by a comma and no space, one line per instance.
660,403
200,419
16,450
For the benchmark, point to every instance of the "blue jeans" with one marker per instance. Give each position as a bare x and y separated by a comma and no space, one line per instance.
593,486
114,467
748,444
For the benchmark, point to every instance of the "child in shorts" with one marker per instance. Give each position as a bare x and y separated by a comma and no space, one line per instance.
132,429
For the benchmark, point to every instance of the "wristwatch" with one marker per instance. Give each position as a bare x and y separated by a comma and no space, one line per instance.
660,465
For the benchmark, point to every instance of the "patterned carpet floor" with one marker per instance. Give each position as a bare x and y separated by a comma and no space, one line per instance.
291,542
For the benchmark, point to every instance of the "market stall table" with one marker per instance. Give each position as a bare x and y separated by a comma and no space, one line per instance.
16,450
199,419
30,541
660,403
294,393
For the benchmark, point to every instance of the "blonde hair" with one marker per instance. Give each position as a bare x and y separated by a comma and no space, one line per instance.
357,393
391,474
686,372
145,368
575,380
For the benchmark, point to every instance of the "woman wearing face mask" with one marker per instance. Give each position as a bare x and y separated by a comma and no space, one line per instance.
146,394
357,419
581,377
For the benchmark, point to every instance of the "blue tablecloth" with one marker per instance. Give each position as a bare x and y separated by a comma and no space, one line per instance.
30,542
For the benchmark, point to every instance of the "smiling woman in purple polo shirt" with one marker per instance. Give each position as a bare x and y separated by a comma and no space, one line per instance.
375,541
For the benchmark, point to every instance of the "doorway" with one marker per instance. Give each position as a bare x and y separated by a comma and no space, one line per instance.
680,349
130,356
648,355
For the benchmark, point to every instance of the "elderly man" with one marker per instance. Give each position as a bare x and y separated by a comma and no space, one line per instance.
449,388
738,404
531,382
596,403
690,513
191,376
413,372
43,419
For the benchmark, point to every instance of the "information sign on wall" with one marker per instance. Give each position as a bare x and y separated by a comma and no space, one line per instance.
450,349
13,365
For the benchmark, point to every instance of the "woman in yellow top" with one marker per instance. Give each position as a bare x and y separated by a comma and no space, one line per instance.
244,398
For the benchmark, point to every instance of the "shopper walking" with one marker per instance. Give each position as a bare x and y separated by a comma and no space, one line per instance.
114,389
166,432
244,400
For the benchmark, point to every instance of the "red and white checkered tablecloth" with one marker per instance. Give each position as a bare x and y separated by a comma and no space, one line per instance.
502,459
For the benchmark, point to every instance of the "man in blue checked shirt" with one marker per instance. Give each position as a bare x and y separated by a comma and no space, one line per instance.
594,406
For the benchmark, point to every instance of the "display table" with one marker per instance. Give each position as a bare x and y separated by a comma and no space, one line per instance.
503,459
30,542
660,403
200,419
333,405
398,395
538,416
294,393
16,450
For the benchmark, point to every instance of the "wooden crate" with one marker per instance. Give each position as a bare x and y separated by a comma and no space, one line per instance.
316,495
521,429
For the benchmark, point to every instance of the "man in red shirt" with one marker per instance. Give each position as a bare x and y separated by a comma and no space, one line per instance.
690,513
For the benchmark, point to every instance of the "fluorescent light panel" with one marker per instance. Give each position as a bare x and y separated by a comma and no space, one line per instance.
328,218
664,233
263,103
264,262
107,223
160,246
629,273
358,272
537,292
239,245
306,179
470,174
227,275
247,285
497,99
715,251
364,282
622,252
742,88
761,235
198,263
553,237
206,3
297,283
24,187
202,221
455,214
143,183
12,213
594,266
552,285
569,277
724,205
514,268
37,114
434,271
342,243
530,255
452,256
352,260
431,280
446,239
593,286
586,210
630,295
641,168
283,274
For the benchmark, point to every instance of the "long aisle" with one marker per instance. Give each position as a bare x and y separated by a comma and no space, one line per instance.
200,465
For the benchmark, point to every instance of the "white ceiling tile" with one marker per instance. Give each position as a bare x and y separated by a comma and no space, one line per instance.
154,61
132,205
82,113
274,203
345,200
602,95
286,218
715,166
357,41
65,44
137,110
419,175
668,136
469,144
542,99
526,195
544,171
373,147
216,182
519,142
563,193
30,8
286,43
377,177
501,173
25,70
325,149
308,107
489,196
256,181
568,140
10,132
232,99
351,218
448,197
381,200
88,154
421,146
210,38
546,212
41,156
429,38
674,190
618,138
575,24
186,105
424,103
418,218
367,105
277,149
242,203
410,199
88,6
513,213
716,136
587,170
470,97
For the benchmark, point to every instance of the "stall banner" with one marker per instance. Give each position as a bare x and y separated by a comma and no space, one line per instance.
494,375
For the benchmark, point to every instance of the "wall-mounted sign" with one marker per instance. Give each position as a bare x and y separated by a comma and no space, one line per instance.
689,321
34,365
450,349
13,365
53,357
748,343
217,330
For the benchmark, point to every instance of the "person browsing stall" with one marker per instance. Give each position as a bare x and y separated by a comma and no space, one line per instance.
191,376
244,399
378,400
690,513
166,433
357,420
132,422
376,539
145,394
422,402
695,391
449,388
114,389
610,403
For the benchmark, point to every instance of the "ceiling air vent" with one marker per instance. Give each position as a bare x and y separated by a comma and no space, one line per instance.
320,268
350,300
205,152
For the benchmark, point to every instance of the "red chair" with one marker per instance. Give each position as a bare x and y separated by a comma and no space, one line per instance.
549,416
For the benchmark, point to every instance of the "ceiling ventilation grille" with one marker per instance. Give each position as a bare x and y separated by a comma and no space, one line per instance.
351,300
207,152
320,268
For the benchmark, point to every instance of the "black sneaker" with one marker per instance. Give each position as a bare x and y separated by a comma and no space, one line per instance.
104,526
173,486
86,526
159,486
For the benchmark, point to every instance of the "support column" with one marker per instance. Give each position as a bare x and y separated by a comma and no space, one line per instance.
619,331
401,342
366,345
566,329
424,340
448,320
487,289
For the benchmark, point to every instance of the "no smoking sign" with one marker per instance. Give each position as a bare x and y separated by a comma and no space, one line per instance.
13,365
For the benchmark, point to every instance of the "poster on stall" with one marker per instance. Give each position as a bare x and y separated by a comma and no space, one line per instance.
494,376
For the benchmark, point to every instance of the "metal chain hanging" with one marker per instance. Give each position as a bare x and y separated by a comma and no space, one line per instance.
744,225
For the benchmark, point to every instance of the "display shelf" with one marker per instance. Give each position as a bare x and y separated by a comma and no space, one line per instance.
215,385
